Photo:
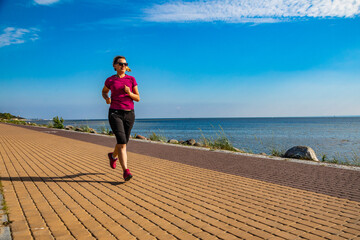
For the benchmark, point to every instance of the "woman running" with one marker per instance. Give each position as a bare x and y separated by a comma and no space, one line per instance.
124,91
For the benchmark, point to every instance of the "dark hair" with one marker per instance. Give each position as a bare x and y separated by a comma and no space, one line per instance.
117,58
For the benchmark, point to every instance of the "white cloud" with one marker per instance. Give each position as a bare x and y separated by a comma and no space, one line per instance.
18,35
46,2
100,3
256,11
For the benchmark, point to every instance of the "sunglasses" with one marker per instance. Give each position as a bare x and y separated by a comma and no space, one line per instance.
123,64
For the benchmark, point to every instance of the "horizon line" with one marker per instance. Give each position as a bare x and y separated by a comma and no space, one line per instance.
97,119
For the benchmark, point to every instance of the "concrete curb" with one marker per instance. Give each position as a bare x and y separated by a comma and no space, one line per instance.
355,168
4,230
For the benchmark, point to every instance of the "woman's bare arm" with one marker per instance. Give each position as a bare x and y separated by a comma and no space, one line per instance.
105,94
134,95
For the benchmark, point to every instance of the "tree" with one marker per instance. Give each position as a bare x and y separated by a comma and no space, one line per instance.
58,123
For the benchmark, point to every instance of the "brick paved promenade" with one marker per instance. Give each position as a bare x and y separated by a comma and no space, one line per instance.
62,188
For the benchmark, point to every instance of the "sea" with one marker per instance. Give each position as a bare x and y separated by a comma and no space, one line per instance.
332,138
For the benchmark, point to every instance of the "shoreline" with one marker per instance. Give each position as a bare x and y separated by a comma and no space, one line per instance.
248,139
308,162
192,118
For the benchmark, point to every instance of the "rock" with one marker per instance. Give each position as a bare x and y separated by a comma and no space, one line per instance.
301,152
91,130
78,129
173,141
264,154
190,142
197,144
238,150
69,127
141,137
181,142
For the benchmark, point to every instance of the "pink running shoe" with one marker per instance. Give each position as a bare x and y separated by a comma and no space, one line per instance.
112,161
127,175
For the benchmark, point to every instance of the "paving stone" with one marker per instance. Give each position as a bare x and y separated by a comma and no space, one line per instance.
77,196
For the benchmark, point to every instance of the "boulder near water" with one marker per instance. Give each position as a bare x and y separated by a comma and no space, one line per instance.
301,152
141,137
69,127
91,130
190,142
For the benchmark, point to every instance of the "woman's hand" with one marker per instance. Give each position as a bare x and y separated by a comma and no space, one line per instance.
133,95
127,89
108,100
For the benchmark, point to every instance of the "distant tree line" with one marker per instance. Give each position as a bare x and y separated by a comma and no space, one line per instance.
8,116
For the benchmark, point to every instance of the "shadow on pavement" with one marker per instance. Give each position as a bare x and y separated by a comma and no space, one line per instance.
66,178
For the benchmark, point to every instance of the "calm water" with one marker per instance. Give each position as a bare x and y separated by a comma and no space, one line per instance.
334,136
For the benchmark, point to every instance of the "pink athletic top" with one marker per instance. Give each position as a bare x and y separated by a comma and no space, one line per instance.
120,100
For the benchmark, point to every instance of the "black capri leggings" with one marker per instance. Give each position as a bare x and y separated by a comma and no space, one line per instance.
121,123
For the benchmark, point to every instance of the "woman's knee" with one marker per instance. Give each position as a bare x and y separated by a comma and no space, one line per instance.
121,146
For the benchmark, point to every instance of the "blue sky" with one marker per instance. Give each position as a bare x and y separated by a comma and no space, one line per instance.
249,58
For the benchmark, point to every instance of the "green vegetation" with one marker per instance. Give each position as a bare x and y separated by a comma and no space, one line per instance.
84,128
58,123
324,158
13,121
20,122
8,116
276,152
157,137
4,206
220,142
104,130
353,161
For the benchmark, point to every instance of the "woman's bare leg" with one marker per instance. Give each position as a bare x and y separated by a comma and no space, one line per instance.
116,151
120,150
